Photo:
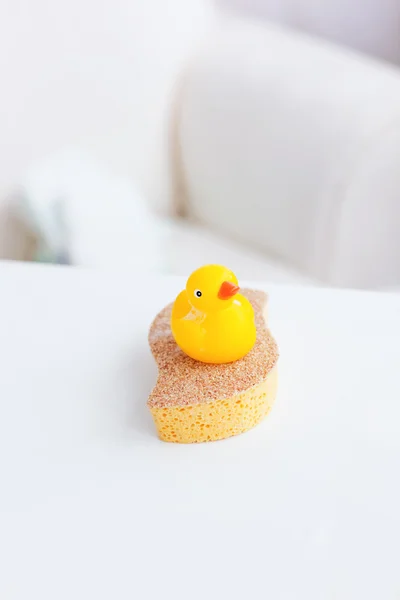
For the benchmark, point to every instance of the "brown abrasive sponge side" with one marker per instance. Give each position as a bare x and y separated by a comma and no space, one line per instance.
198,402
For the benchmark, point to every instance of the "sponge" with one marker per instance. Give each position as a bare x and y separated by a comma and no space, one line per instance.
199,402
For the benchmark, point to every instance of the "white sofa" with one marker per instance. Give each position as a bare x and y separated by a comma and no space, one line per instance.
284,145
293,145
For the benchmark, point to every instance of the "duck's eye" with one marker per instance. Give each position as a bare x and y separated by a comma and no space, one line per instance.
198,293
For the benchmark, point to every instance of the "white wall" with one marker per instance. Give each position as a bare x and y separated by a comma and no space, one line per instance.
371,26
99,73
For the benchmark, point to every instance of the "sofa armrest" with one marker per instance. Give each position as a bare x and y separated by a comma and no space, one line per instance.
293,145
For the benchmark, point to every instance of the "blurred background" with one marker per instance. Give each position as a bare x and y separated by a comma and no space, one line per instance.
157,136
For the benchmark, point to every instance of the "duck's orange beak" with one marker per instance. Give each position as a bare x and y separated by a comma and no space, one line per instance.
227,290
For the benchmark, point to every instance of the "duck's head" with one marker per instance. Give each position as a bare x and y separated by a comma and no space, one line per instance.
211,288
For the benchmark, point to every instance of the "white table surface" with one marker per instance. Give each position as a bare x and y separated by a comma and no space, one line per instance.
94,506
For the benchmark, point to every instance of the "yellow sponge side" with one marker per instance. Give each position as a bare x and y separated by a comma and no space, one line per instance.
216,420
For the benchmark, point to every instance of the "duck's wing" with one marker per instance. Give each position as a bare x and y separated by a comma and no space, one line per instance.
186,326
181,306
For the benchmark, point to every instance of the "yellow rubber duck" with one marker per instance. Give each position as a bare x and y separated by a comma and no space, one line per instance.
210,321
